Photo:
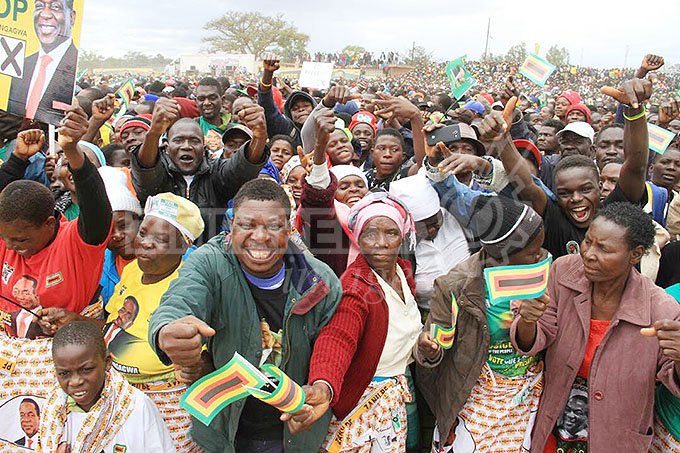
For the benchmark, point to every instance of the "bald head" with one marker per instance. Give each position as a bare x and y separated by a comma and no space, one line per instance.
185,125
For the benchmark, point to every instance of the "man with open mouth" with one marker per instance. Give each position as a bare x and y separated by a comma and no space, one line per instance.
232,288
183,168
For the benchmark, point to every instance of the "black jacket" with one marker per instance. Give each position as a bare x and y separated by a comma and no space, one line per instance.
214,184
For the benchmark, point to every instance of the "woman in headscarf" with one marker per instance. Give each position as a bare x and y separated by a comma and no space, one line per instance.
601,369
360,357
325,203
481,391
171,224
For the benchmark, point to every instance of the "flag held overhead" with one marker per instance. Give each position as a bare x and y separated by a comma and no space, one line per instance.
537,69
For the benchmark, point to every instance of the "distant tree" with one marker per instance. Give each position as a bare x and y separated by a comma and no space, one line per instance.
418,56
254,33
559,56
89,59
517,53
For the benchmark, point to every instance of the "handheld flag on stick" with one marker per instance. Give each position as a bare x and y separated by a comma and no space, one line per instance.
445,336
659,138
536,69
212,393
506,283
288,395
126,92
459,77
236,380
81,74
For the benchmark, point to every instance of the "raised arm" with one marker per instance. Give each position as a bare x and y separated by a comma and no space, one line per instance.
28,143
495,128
403,108
336,94
246,163
165,113
102,110
94,221
633,94
277,122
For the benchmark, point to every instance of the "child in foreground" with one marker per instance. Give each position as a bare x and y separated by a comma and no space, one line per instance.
94,409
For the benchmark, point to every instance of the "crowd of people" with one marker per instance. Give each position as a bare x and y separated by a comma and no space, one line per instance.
332,233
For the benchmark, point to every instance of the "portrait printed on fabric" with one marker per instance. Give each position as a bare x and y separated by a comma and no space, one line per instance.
21,322
21,419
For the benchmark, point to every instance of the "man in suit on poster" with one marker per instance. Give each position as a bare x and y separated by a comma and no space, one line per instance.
49,73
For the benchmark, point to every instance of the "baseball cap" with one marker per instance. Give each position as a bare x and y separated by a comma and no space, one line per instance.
579,128
364,117
529,146
235,128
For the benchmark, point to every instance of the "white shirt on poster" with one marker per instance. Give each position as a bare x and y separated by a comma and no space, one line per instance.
57,54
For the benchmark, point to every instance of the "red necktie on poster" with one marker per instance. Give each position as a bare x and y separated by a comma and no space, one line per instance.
30,444
36,94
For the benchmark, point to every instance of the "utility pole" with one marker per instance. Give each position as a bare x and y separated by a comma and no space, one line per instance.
413,52
486,47
625,59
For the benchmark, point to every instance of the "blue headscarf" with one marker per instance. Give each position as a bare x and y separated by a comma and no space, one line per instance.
270,170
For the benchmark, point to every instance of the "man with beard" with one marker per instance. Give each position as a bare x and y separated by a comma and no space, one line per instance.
184,169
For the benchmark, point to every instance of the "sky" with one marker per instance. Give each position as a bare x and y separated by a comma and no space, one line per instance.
597,33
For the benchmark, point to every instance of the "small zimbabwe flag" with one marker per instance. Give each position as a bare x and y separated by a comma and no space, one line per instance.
536,69
442,335
506,283
659,138
288,395
212,393
126,92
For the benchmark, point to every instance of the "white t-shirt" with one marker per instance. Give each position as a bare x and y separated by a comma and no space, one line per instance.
143,431
402,331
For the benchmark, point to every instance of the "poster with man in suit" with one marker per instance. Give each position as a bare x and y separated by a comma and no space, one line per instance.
39,43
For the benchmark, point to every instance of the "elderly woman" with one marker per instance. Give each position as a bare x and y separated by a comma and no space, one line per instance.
482,392
594,333
171,224
362,354
327,197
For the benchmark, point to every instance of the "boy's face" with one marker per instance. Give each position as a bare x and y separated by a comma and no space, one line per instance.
81,372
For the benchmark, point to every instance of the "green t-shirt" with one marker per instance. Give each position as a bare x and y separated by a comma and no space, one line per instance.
503,358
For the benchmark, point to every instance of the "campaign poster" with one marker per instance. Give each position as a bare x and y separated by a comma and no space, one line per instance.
39,42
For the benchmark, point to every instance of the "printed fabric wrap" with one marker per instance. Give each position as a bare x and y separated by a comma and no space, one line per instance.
101,425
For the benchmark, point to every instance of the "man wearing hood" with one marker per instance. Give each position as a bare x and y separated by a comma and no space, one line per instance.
297,108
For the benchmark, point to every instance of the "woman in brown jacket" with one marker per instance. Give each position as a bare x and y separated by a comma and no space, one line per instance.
601,369
482,392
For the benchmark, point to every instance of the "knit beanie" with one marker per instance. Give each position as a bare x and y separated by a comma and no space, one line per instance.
504,226
119,195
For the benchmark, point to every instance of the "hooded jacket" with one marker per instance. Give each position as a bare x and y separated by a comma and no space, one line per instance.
278,123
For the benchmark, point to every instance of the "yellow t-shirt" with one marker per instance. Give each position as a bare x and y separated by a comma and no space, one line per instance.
127,326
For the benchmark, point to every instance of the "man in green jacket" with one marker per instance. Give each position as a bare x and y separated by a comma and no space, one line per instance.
256,293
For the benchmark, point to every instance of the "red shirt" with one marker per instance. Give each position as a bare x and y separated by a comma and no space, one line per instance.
64,274
598,328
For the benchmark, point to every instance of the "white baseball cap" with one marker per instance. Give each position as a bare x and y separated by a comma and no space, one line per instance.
580,128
